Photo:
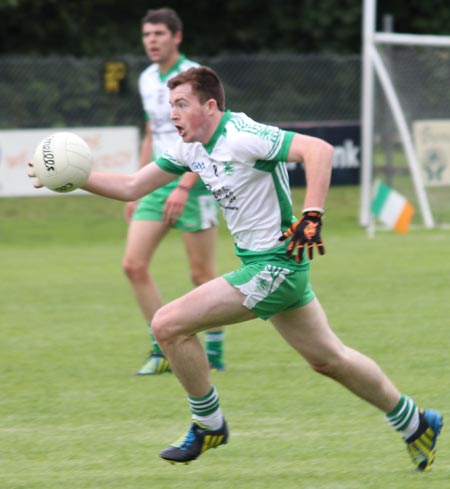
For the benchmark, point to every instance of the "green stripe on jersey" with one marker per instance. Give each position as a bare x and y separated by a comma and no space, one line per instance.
282,155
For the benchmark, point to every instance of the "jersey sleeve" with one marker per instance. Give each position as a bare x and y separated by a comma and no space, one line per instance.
282,154
261,142
169,163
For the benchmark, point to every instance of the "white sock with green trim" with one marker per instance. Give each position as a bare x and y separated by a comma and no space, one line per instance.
207,410
404,417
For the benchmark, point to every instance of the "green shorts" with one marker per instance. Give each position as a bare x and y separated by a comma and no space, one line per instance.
270,288
200,211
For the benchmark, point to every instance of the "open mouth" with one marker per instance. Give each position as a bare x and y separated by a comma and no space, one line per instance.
179,129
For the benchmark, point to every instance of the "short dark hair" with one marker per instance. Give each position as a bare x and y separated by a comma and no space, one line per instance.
165,16
205,83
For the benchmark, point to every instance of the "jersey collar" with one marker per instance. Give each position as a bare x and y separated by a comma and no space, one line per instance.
220,129
164,76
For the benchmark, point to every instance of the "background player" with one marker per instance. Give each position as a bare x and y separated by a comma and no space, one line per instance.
184,204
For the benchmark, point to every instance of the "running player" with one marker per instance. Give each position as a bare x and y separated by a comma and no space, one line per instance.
242,163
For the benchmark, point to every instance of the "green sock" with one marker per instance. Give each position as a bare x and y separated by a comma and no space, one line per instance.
214,347
207,410
404,417
155,345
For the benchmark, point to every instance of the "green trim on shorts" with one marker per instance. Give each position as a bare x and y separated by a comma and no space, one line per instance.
272,287
199,213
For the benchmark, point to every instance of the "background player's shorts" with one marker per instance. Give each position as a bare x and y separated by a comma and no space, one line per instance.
200,211
270,288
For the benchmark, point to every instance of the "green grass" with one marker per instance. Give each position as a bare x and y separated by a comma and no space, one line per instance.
73,416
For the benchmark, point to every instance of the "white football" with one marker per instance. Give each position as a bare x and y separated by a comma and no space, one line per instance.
62,162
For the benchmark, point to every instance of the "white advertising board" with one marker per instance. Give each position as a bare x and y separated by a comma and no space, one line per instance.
114,149
432,141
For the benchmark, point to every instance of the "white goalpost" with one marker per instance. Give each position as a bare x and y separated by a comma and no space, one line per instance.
377,71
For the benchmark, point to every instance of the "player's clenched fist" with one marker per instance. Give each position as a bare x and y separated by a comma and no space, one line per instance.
305,233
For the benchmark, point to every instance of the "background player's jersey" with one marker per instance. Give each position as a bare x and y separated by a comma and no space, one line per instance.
155,100
243,166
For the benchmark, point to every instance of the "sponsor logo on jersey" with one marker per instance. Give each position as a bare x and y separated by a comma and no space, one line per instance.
198,165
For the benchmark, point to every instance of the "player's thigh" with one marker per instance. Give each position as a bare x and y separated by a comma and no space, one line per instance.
142,240
201,250
307,330
215,303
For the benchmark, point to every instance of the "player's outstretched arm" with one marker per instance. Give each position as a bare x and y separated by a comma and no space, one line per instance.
121,186
128,187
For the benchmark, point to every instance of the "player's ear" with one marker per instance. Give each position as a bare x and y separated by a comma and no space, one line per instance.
211,105
178,37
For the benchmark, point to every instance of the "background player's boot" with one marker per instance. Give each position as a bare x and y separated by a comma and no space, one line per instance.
156,364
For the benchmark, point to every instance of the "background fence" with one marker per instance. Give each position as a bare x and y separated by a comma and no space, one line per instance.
65,91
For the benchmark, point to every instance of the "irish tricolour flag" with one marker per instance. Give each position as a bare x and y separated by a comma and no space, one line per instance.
391,208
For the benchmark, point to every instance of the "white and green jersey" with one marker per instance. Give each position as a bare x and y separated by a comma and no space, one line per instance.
243,167
155,100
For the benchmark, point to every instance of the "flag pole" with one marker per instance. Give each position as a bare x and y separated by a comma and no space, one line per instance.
371,227
371,215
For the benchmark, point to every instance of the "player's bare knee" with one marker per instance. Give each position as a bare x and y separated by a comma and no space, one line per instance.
135,272
167,327
201,276
159,327
162,325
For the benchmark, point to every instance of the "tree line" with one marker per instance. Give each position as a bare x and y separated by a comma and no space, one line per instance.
212,27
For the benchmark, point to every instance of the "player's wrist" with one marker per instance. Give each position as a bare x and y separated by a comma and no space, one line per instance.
184,187
315,211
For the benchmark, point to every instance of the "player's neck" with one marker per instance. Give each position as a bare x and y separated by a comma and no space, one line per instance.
211,128
169,63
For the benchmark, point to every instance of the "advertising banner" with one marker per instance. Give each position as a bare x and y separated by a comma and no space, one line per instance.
114,149
345,137
432,142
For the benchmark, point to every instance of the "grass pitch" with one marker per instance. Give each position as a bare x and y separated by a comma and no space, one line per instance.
73,416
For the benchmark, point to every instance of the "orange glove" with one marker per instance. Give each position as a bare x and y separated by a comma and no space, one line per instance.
305,232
